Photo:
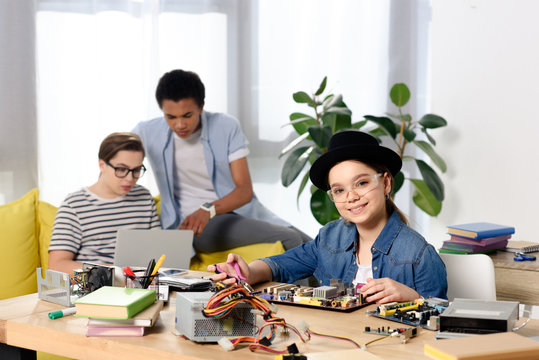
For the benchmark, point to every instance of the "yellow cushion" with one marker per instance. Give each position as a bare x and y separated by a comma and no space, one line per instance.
45,356
157,200
19,256
46,213
247,252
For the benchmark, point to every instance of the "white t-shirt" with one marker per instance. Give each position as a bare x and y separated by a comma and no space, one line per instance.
192,183
363,272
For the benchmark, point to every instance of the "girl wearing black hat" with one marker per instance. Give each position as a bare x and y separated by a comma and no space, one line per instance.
371,246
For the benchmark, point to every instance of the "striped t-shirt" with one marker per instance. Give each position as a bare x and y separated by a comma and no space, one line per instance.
86,224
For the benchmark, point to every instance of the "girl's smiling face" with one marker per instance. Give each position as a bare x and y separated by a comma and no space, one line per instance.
369,209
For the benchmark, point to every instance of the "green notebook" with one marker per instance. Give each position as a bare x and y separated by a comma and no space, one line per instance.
109,302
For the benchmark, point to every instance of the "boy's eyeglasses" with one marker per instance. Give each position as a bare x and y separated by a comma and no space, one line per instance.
122,172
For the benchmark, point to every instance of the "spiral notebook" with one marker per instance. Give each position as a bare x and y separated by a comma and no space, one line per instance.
522,246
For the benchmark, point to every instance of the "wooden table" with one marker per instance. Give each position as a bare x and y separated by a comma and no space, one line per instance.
24,323
516,280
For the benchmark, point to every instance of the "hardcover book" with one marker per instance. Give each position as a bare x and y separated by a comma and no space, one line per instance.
482,242
480,230
473,248
146,317
447,251
114,330
109,302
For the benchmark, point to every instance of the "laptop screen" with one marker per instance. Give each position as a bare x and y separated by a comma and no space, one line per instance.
135,248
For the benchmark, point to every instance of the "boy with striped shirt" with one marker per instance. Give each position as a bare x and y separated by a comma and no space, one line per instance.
87,221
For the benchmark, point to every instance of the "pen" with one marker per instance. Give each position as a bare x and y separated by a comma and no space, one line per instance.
147,273
156,269
64,312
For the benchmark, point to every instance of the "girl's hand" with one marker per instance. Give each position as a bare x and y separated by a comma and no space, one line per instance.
386,290
229,268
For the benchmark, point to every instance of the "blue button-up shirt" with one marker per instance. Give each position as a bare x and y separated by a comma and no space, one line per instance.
399,253
221,136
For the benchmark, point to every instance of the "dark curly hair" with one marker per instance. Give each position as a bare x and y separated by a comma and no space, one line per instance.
176,85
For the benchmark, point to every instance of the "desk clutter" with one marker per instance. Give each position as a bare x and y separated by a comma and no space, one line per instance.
237,316
478,237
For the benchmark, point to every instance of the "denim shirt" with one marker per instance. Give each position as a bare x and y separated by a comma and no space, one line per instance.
221,136
399,253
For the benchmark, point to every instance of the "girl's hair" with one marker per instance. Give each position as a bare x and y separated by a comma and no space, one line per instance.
390,205
119,141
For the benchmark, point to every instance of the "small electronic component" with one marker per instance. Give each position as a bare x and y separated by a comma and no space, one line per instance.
403,333
422,312
336,296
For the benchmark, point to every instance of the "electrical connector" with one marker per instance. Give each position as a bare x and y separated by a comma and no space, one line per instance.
303,326
273,308
226,344
293,349
257,312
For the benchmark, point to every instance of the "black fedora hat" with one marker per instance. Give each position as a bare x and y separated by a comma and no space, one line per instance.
352,145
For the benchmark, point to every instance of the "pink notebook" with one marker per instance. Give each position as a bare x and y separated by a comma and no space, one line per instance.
114,330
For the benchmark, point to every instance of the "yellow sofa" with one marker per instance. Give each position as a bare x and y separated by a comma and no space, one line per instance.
25,231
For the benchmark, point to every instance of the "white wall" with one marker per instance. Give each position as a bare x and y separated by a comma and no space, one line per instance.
485,71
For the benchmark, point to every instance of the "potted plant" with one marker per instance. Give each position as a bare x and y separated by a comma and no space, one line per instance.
331,115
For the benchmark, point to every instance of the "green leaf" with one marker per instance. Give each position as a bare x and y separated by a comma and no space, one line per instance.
331,101
378,132
339,110
301,127
302,97
399,94
337,121
315,154
429,150
398,180
430,138
293,143
385,122
294,163
323,208
424,199
302,186
300,120
320,135
408,158
431,121
322,86
432,179
409,135
358,125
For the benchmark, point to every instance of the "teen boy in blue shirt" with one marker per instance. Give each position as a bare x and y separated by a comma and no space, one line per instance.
200,165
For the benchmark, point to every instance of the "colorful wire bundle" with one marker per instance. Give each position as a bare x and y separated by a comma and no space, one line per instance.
221,304
335,337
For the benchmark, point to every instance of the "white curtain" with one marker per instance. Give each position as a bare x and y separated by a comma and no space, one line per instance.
98,63
18,135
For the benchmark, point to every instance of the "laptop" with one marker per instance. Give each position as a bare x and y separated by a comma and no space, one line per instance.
135,248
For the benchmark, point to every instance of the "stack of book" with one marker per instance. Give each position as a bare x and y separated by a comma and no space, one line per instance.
117,311
479,237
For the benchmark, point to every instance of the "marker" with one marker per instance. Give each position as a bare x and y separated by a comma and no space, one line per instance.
158,264
58,314
127,271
